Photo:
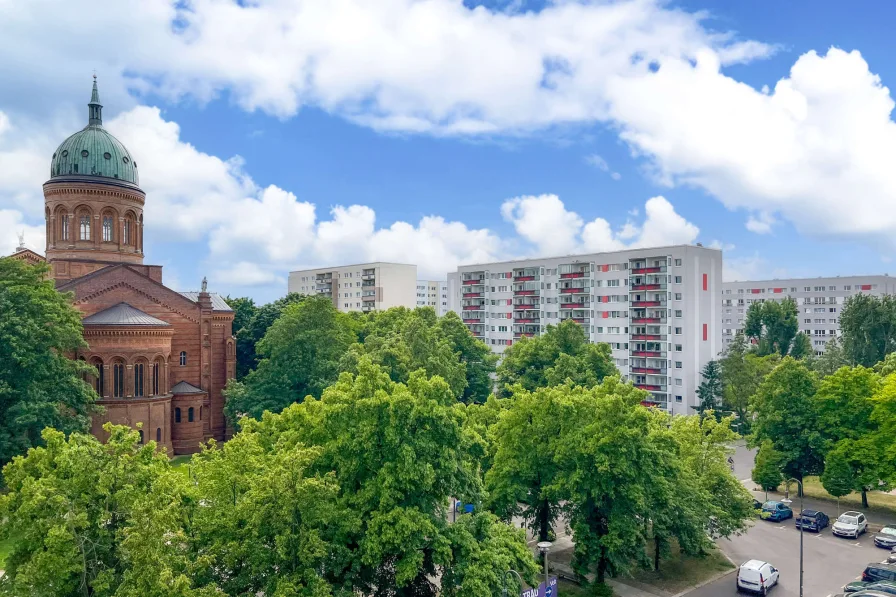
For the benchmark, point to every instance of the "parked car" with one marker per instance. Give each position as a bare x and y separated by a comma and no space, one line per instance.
879,572
775,511
757,505
812,520
850,524
756,576
891,559
884,586
871,593
886,537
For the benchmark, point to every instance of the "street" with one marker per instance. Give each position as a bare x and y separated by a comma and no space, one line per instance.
829,562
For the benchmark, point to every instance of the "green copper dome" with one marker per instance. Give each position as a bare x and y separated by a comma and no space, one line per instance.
93,151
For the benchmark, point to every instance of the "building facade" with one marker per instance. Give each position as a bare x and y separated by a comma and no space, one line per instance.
362,287
656,308
433,293
819,301
162,357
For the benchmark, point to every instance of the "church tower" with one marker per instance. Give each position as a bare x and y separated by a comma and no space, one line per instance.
93,202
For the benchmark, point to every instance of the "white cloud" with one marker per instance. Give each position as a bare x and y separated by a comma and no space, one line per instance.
721,246
11,225
760,223
546,223
244,273
601,164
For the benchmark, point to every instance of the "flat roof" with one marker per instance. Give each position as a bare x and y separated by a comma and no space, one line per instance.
807,279
334,267
573,255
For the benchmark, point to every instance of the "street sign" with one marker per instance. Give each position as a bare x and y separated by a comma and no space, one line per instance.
540,591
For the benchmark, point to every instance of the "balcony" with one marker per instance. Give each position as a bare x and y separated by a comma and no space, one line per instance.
655,303
518,335
575,290
576,305
648,320
368,276
472,295
371,297
650,387
652,286
649,353
526,307
524,277
648,337
575,270
648,270
524,292
574,275
648,370
474,320
473,308
473,282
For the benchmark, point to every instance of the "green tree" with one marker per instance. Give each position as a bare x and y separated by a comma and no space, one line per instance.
301,353
251,324
801,347
539,362
39,386
832,359
868,328
773,326
711,389
837,478
478,359
844,404
867,465
86,518
785,414
742,372
767,467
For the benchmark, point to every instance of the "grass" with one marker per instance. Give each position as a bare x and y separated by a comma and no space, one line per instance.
876,499
570,589
5,548
180,464
679,571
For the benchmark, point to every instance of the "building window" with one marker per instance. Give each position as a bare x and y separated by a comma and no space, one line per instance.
678,262
64,226
158,435
678,381
190,415
183,358
678,279
126,232
100,378
677,398
138,380
140,431
677,331
177,415
118,380
678,364
678,348
155,379
677,296
84,229
107,229
678,312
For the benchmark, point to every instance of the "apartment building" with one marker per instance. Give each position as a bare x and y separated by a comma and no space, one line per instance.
433,293
657,308
362,287
819,301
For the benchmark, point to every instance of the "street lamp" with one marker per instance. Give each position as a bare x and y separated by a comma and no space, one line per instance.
789,501
511,572
544,547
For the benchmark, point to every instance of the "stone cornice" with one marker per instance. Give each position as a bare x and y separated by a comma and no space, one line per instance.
127,330
143,400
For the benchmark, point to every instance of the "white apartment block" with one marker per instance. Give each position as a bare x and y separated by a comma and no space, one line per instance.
433,293
819,300
657,309
363,287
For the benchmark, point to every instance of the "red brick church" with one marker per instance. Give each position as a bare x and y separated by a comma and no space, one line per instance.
162,356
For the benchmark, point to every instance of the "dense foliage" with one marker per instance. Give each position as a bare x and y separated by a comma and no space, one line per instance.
39,386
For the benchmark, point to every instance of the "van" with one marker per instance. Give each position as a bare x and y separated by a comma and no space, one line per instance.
756,576
877,572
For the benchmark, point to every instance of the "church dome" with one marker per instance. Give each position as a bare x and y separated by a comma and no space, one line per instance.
93,151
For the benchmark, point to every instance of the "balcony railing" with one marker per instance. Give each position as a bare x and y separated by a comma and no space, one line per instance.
656,303
648,336
650,387
369,298
472,294
575,305
526,307
639,287
473,282
575,290
524,292
524,278
648,270
574,275
518,335
648,353
648,370
648,320
473,307
473,320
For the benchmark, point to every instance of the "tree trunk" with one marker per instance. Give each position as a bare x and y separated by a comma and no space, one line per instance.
864,498
656,554
602,564
544,520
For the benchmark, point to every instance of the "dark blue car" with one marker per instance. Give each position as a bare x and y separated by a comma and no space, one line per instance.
812,520
775,511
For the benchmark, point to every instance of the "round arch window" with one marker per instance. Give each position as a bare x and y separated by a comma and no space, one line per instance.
135,164
85,153
64,153
125,160
107,155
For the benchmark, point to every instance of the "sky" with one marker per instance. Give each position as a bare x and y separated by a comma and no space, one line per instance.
274,135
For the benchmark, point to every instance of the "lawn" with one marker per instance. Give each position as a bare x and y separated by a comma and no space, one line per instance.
678,571
570,589
876,499
181,464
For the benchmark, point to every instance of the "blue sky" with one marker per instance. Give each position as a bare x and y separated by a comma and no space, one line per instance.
550,139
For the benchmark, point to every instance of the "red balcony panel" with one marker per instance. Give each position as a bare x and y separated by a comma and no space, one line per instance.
649,370
573,275
473,307
646,353
524,292
646,270
646,286
523,278
521,334
472,294
469,282
479,321
649,404
649,387
579,320
647,320
646,303
519,320
575,290
574,305
646,337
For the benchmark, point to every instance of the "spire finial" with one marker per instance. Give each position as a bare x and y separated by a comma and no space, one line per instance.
95,108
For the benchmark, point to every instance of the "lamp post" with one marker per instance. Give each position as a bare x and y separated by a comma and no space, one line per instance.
789,501
512,572
544,547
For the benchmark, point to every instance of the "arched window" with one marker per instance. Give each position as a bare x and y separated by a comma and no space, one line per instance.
183,358
155,378
200,412
190,415
118,380
84,227
140,431
126,232
158,435
100,379
107,228
63,229
177,415
138,380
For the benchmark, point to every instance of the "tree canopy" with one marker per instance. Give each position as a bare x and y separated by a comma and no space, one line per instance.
39,385
773,326
868,328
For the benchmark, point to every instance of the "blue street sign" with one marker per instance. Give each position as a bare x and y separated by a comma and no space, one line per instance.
540,591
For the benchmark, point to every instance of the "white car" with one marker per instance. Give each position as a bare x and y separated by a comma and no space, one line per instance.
850,524
756,576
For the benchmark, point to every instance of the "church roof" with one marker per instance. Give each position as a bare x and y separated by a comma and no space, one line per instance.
123,314
183,387
218,302
93,151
